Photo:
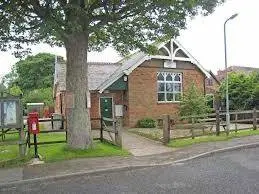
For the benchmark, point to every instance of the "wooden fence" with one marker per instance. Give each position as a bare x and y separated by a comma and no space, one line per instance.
110,130
52,120
210,122
113,127
113,131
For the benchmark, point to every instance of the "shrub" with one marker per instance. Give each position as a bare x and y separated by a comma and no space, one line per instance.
193,103
147,123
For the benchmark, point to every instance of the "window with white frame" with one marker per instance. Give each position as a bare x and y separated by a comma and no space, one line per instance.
169,86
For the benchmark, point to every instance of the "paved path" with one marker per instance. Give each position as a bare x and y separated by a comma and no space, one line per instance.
141,146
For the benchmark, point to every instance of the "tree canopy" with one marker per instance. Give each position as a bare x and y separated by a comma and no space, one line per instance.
243,91
2,87
33,77
34,72
123,24
44,95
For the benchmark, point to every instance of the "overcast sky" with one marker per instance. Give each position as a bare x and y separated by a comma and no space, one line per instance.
203,38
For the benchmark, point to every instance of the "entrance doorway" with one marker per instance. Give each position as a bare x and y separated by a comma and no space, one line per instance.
106,108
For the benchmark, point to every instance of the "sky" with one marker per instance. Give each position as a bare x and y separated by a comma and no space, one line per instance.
203,38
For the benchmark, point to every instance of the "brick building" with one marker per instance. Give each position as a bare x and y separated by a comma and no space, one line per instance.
221,74
140,85
212,84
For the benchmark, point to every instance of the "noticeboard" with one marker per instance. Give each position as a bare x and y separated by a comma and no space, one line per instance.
10,112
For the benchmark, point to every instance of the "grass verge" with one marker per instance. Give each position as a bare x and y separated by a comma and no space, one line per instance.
9,153
58,152
211,138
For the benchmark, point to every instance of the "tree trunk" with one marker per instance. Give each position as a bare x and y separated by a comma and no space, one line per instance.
78,114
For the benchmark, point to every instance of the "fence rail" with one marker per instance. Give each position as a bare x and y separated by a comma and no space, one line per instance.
62,129
209,122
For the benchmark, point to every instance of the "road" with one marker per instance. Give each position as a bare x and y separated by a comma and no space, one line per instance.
230,172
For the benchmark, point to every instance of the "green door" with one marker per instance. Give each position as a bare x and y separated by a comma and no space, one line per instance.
106,108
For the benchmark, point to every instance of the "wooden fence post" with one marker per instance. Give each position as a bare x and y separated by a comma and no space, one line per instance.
3,134
22,144
166,129
118,132
21,141
254,119
192,128
101,130
236,122
217,123
52,123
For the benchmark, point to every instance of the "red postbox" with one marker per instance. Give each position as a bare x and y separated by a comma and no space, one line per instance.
33,123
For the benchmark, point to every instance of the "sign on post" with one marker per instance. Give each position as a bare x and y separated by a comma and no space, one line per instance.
11,116
10,113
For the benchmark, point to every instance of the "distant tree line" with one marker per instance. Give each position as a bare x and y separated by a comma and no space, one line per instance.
243,95
32,77
243,91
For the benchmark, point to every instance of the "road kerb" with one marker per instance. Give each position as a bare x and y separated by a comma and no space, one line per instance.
210,153
126,167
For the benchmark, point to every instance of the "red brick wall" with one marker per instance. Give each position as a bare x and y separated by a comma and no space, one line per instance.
60,103
142,91
118,99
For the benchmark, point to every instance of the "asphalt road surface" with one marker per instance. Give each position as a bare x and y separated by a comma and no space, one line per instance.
231,172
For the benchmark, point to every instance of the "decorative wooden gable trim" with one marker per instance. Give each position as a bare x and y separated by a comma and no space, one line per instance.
170,51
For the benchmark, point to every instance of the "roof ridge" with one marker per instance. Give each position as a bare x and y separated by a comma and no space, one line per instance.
102,63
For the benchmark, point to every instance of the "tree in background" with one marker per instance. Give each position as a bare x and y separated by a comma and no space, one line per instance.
193,102
2,87
15,90
256,97
34,72
44,95
243,91
82,25
33,77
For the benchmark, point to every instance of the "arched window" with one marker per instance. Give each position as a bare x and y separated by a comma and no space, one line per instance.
160,77
169,86
177,78
169,77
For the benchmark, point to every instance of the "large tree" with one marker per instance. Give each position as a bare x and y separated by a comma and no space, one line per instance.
82,25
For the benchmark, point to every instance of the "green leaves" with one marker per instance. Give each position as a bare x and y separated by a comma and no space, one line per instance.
125,25
35,72
44,95
33,77
193,103
15,90
243,91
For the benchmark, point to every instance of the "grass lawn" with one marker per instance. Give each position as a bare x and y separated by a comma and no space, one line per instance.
211,138
9,154
60,152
